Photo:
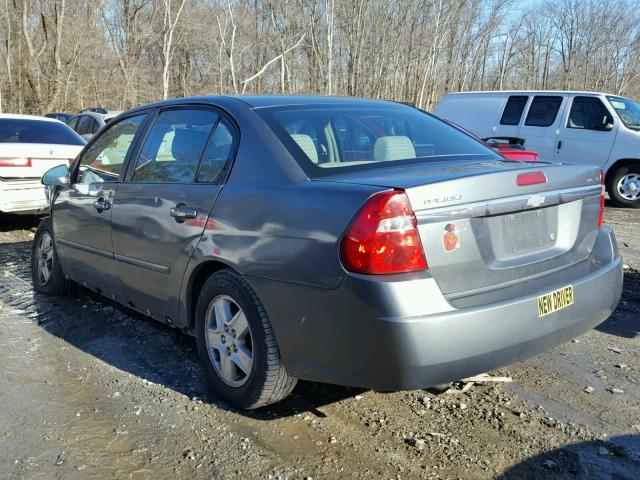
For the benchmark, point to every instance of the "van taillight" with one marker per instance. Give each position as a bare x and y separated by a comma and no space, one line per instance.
383,237
601,215
15,162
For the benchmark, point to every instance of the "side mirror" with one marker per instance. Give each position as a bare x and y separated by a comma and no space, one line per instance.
55,176
607,124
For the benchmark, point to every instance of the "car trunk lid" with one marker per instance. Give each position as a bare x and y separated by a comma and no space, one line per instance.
482,231
32,160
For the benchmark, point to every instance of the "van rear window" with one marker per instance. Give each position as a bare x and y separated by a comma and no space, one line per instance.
513,110
543,111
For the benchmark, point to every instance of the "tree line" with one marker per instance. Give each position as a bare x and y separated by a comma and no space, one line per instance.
64,55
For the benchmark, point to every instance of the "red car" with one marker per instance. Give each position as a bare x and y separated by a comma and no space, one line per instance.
512,148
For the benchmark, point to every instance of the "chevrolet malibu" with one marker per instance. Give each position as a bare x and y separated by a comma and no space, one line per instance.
348,241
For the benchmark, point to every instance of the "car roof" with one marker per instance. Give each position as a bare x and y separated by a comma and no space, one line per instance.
16,116
263,101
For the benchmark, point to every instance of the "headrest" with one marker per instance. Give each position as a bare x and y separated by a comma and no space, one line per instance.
306,144
187,144
393,147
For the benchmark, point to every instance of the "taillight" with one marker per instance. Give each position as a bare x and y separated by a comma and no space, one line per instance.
383,237
601,215
15,162
531,178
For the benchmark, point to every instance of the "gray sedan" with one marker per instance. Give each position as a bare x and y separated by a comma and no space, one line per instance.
348,241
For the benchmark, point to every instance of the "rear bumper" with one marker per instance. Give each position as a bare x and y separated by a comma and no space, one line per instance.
400,333
22,196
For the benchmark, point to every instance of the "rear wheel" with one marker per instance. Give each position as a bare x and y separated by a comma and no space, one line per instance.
236,344
46,272
624,186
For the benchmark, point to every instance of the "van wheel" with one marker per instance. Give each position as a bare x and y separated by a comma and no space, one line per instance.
46,272
624,186
236,344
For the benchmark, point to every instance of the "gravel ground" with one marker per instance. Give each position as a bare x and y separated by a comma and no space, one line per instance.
89,389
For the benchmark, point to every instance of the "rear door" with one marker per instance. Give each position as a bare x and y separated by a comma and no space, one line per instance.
587,133
541,125
161,209
82,211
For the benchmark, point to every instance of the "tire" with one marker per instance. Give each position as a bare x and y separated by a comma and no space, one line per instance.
53,282
223,299
623,186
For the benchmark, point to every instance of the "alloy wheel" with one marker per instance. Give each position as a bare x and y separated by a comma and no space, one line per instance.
44,257
229,341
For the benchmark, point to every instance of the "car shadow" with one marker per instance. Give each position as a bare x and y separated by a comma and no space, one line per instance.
616,459
9,222
134,343
624,321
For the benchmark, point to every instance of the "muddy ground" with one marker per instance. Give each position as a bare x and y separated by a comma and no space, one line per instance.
90,390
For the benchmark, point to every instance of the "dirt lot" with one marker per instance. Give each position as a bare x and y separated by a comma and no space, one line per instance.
90,390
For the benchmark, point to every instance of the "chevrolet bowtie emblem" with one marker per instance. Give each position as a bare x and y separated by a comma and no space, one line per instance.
535,200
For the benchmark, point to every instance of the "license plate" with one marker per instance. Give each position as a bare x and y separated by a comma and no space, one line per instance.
554,301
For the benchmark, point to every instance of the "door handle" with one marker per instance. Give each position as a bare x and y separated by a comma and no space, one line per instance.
559,144
182,212
101,204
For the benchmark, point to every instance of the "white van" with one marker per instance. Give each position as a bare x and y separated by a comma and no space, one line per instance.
571,127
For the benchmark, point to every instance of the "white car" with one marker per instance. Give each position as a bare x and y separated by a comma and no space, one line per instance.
570,127
29,146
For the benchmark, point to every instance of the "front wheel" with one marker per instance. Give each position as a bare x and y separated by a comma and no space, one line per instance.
236,344
46,273
624,186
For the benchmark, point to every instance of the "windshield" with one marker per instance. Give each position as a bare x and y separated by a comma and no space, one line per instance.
14,130
352,137
627,110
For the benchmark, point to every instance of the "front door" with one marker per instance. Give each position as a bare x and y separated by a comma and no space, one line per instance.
82,212
588,134
160,210
541,124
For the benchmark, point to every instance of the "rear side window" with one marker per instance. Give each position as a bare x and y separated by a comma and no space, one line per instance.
173,148
588,113
37,131
513,110
84,125
218,153
543,111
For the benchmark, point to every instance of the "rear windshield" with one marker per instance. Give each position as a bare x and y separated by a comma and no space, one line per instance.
37,131
326,138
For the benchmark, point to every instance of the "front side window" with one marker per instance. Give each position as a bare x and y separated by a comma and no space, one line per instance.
171,153
588,113
104,159
73,123
347,137
627,110
543,111
513,110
